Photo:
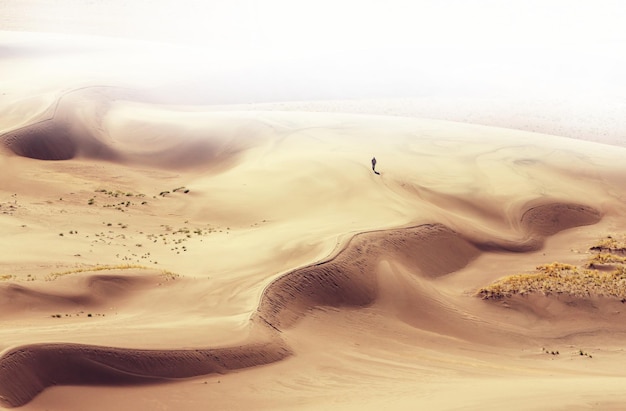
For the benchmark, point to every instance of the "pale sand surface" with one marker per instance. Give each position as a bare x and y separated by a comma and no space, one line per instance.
289,276
595,118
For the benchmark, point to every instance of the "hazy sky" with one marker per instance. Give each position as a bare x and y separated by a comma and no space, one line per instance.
333,24
383,46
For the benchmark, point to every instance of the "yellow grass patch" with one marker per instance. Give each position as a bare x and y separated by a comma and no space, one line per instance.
54,276
603,259
611,244
559,278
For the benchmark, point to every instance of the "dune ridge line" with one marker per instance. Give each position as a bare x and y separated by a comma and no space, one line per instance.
51,138
76,129
345,279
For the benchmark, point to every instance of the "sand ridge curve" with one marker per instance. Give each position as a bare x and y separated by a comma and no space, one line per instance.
91,292
58,136
345,279
77,125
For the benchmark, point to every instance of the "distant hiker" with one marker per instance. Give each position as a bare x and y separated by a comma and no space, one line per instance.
374,166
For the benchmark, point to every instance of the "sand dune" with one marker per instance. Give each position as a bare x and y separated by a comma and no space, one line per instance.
285,274
346,280
91,291
552,218
42,142
28,370
74,129
59,135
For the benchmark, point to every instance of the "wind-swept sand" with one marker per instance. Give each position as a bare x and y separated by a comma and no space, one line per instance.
163,257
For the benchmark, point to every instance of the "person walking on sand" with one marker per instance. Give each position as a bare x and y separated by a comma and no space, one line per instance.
374,166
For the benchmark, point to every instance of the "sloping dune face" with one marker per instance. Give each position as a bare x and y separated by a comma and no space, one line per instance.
30,369
174,138
84,123
348,279
283,241
69,128
549,219
47,141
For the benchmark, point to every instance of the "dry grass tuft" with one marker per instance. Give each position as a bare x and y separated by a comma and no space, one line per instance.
558,278
169,276
611,244
54,276
602,259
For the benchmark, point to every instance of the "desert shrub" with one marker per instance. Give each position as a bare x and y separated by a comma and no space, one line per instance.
561,278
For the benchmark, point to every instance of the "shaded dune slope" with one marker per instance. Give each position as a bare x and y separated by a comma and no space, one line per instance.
545,220
540,221
43,141
54,140
28,370
71,128
16,299
93,291
347,279
76,129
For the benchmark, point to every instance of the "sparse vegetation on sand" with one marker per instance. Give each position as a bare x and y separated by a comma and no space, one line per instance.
603,259
168,275
54,276
106,196
551,352
590,280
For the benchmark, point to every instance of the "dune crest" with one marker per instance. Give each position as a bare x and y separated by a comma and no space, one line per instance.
42,142
82,124
70,128
548,219
28,370
347,279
